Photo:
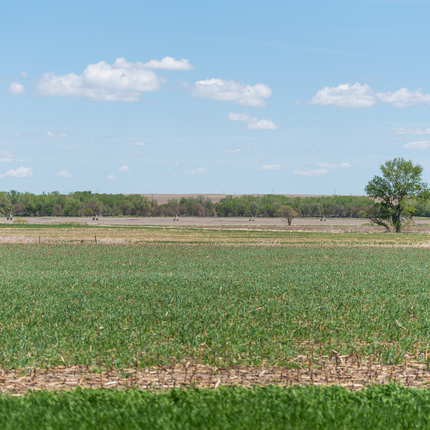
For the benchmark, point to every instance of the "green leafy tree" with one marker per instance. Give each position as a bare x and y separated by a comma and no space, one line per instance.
400,182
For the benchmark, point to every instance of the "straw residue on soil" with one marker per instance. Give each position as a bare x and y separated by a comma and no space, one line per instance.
349,374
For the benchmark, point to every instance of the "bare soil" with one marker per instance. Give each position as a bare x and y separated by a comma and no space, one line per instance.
194,221
206,221
350,374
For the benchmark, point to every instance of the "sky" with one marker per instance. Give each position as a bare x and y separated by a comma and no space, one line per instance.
234,97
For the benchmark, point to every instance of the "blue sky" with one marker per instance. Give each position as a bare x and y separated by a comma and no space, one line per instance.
197,97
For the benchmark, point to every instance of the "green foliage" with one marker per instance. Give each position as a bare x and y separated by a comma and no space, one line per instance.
272,205
79,203
271,407
400,182
85,203
250,304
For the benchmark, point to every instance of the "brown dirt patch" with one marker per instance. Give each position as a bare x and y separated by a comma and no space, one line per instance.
353,375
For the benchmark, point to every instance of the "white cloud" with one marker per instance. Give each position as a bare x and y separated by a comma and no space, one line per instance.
49,134
168,63
21,172
68,149
124,168
23,74
233,151
64,174
262,124
199,171
270,167
120,81
139,143
239,117
334,165
311,172
6,157
62,135
112,178
139,152
358,96
405,98
345,96
411,131
253,123
16,89
242,94
424,144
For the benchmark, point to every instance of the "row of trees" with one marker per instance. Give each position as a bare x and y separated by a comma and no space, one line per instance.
392,198
85,203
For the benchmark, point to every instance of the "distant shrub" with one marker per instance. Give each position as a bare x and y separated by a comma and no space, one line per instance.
20,221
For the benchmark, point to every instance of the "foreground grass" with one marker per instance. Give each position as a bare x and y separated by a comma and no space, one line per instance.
107,306
378,407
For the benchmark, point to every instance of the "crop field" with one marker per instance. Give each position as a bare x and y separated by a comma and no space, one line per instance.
216,304
218,309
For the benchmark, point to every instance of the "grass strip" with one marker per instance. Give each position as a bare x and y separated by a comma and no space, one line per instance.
378,407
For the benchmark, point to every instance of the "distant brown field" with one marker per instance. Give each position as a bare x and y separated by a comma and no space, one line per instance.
164,198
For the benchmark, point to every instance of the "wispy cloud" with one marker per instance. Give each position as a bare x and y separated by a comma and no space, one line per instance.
124,168
403,130
199,171
317,172
237,92
139,143
424,144
64,174
6,157
334,165
270,167
112,178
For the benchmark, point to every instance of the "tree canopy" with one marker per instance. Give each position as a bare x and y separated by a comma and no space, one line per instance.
394,191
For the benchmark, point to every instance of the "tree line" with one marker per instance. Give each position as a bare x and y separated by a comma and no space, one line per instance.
86,203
